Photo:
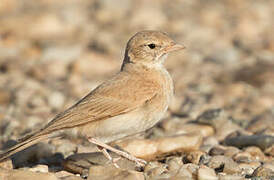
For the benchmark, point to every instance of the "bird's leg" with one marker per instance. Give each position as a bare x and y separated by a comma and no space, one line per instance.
139,162
107,155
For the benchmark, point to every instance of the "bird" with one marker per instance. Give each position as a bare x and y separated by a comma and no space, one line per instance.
130,102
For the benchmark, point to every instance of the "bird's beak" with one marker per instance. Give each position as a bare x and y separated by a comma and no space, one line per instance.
175,47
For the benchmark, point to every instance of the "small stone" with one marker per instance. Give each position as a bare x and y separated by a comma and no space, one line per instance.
269,165
230,177
139,19
195,157
219,119
188,171
205,173
39,168
226,56
256,153
231,151
242,157
32,154
205,130
224,164
110,11
209,143
214,117
111,172
261,122
4,173
155,170
64,174
263,172
65,147
261,141
5,97
248,168
58,57
56,69
223,150
71,177
101,65
174,164
56,100
216,150
80,163
25,174
152,148
48,27
6,164
33,121
270,151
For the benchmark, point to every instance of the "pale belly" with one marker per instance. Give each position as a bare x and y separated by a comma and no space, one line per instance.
122,126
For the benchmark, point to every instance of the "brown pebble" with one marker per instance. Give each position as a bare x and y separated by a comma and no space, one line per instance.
111,172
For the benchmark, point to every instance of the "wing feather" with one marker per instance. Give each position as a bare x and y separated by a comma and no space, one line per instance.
108,100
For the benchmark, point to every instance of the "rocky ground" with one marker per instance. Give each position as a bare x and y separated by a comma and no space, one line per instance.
220,124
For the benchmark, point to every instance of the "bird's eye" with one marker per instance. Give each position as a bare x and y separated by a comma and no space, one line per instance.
152,46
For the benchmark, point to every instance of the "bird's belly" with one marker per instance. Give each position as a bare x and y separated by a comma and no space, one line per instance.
121,126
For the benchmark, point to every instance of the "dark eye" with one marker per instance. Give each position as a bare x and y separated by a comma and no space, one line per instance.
151,46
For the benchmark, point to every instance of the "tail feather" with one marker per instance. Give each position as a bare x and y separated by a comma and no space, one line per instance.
27,142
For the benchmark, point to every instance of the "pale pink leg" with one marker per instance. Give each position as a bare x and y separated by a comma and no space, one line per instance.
107,155
139,162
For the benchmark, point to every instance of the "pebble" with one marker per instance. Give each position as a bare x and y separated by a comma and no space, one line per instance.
261,122
180,128
230,177
205,173
209,143
195,157
261,141
248,168
48,26
224,164
270,151
101,65
256,153
242,157
188,171
71,177
6,164
111,172
217,150
56,100
39,168
174,163
81,162
218,119
25,174
56,70
156,170
32,154
66,175
152,148
263,172
5,97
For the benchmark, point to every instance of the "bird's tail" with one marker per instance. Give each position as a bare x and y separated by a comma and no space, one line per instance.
24,143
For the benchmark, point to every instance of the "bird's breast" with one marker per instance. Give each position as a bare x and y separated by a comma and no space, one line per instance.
157,106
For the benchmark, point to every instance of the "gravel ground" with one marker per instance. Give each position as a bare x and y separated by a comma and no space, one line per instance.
220,124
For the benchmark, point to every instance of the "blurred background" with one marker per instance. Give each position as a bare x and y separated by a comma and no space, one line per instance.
54,52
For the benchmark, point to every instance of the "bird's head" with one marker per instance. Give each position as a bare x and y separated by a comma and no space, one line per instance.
149,47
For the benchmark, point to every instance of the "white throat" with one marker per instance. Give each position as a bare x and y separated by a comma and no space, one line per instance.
158,62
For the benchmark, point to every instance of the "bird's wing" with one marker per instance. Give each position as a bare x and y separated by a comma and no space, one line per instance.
117,96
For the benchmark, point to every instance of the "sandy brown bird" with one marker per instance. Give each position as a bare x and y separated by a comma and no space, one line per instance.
131,102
